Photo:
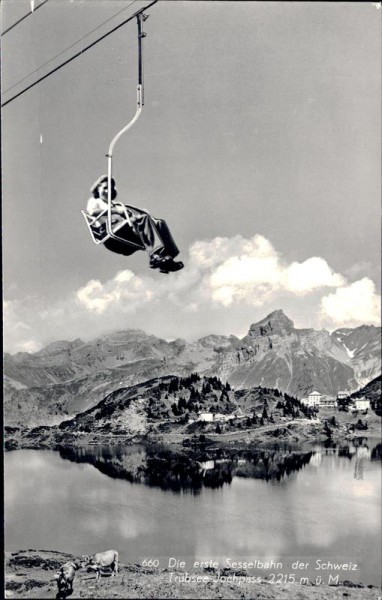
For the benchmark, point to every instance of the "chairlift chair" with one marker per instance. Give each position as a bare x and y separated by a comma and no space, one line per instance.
101,227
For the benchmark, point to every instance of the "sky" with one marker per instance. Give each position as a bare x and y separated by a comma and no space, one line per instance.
259,144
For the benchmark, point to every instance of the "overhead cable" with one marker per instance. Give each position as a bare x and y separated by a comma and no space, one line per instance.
78,54
24,17
68,48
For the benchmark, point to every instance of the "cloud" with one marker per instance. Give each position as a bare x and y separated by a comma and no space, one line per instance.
125,287
353,304
312,274
255,273
225,281
15,325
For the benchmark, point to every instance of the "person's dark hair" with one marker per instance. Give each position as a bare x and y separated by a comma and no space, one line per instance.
113,193
95,186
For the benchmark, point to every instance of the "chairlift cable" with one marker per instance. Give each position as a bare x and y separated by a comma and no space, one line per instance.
68,48
78,54
24,17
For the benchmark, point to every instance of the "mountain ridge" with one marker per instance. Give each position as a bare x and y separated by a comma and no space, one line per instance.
66,377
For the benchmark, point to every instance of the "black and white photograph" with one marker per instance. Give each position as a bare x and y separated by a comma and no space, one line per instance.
191,205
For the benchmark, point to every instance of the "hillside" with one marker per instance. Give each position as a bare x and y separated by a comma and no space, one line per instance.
363,347
137,409
192,412
373,392
50,404
171,408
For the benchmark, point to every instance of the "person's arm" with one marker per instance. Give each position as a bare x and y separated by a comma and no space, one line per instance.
96,207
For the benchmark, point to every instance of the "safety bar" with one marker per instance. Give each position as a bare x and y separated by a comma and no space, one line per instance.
95,222
90,221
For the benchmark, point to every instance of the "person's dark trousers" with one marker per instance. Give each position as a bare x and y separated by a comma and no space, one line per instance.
153,233
170,248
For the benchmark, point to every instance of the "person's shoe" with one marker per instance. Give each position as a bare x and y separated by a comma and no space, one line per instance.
174,266
165,264
156,260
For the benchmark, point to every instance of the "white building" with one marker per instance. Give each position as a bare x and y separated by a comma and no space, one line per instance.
223,418
328,402
343,394
207,417
318,400
314,399
362,404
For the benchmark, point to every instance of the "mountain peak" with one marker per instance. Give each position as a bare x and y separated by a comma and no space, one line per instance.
276,323
60,346
278,314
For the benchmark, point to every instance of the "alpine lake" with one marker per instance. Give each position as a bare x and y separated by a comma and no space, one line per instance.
309,511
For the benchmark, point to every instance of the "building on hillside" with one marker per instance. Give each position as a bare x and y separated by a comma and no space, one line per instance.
206,417
317,400
314,399
328,402
209,417
343,395
361,403
223,418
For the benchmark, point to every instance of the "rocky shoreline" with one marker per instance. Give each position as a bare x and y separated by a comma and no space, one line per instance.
30,574
297,431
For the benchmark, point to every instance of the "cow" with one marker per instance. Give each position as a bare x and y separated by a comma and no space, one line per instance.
65,576
102,560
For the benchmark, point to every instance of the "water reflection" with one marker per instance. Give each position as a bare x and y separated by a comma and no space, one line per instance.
362,455
184,471
167,469
358,451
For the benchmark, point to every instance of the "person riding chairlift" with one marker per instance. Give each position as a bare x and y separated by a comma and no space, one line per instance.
144,231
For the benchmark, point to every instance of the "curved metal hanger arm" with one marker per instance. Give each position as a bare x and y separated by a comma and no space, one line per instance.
140,102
